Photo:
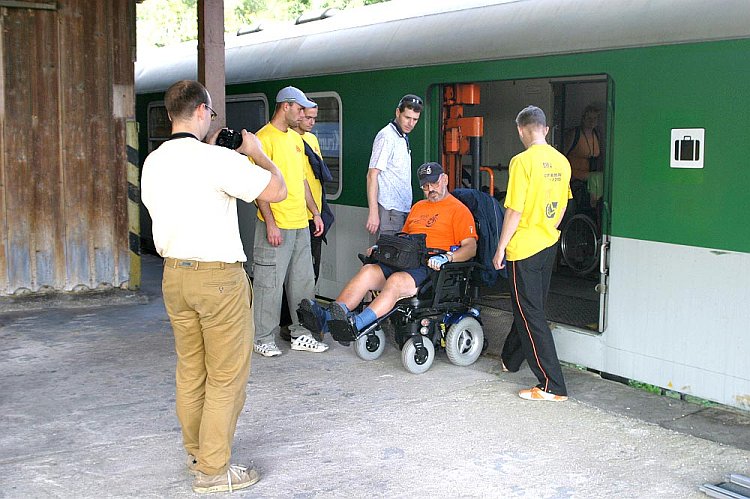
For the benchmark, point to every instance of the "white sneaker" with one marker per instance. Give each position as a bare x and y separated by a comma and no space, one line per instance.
307,343
236,477
267,349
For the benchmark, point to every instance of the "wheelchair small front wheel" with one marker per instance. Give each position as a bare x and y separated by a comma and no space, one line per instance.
417,362
370,346
464,341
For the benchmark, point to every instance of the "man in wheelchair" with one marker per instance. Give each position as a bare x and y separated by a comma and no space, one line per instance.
448,225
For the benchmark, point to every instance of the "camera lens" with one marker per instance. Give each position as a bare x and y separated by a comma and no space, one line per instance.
229,138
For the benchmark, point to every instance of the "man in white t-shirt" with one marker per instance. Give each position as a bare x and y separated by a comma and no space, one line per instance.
190,189
389,190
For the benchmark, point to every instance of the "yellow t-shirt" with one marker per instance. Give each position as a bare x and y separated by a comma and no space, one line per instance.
287,151
315,186
539,189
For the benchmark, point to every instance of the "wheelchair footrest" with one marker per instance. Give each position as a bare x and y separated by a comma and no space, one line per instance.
343,331
308,319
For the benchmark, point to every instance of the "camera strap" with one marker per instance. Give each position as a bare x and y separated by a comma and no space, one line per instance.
182,135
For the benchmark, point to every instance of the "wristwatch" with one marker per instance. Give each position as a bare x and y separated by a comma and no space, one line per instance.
449,254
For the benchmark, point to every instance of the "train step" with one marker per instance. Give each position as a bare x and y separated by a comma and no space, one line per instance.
735,487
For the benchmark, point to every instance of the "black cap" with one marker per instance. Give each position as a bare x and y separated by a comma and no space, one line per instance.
429,173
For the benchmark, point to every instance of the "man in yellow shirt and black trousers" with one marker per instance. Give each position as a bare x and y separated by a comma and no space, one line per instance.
537,195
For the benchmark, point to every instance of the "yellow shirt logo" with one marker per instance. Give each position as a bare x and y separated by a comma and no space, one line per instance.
551,209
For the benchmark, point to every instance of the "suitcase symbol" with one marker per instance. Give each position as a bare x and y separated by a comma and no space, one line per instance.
687,149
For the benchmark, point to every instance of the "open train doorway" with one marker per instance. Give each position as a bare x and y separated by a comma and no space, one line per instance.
579,116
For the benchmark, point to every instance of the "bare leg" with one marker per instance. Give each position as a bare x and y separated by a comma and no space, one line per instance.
398,285
369,277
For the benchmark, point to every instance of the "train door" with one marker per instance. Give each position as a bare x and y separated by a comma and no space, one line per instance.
581,122
577,292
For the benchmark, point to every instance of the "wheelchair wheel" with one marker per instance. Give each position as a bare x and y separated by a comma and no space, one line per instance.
417,364
579,244
370,346
464,341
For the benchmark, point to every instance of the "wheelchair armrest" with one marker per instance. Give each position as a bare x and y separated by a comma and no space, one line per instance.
452,280
461,265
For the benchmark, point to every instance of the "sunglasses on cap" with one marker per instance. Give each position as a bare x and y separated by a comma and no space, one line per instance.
410,100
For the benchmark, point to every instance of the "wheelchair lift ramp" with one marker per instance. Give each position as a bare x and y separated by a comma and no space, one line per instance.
736,487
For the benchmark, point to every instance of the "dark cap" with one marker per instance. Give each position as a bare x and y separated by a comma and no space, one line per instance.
429,173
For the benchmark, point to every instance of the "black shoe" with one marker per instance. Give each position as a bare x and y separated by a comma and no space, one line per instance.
313,317
342,326
284,334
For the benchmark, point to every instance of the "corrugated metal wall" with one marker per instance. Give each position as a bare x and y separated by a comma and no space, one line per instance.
66,96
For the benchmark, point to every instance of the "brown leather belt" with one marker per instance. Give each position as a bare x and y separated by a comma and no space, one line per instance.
196,265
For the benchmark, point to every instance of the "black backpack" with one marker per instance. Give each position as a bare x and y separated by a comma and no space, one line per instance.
488,216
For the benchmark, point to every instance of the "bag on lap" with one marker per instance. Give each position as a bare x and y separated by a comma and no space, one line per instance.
401,251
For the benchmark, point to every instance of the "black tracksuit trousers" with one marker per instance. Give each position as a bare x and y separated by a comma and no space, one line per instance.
530,337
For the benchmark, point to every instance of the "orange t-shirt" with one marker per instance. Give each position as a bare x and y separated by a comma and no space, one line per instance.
446,222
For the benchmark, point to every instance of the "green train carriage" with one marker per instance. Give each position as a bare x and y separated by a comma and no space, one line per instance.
665,302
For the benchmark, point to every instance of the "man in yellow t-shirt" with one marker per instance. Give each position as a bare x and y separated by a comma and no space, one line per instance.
537,195
304,128
281,249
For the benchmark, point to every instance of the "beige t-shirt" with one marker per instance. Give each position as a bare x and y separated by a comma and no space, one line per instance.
190,190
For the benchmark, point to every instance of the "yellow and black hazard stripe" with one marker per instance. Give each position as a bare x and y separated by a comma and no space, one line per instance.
134,206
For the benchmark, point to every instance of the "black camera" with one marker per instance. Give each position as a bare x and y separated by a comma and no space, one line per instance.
229,138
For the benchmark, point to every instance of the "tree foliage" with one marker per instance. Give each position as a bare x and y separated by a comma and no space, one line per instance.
166,22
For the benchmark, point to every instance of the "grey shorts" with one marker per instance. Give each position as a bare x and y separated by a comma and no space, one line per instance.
391,221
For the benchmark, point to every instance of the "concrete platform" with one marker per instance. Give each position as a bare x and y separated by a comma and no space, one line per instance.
88,411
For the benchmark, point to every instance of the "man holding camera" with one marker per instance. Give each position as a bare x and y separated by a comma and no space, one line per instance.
281,251
190,189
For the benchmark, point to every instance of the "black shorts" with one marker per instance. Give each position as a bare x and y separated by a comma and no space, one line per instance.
419,274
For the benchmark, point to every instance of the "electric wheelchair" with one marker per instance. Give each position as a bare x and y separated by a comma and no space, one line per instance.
440,316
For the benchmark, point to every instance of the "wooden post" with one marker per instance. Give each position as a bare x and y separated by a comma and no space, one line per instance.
211,56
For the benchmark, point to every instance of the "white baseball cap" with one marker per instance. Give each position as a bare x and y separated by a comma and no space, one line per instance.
293,94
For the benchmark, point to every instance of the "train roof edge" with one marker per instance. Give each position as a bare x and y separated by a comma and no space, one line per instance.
405,33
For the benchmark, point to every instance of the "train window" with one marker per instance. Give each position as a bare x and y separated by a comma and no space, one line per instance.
159,126
328,130
249,111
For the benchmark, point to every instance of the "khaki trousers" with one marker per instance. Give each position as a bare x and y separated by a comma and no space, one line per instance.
210,308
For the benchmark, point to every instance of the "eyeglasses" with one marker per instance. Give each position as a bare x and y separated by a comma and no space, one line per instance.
213,113
410,100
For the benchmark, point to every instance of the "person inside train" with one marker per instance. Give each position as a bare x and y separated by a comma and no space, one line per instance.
448,225
582,148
